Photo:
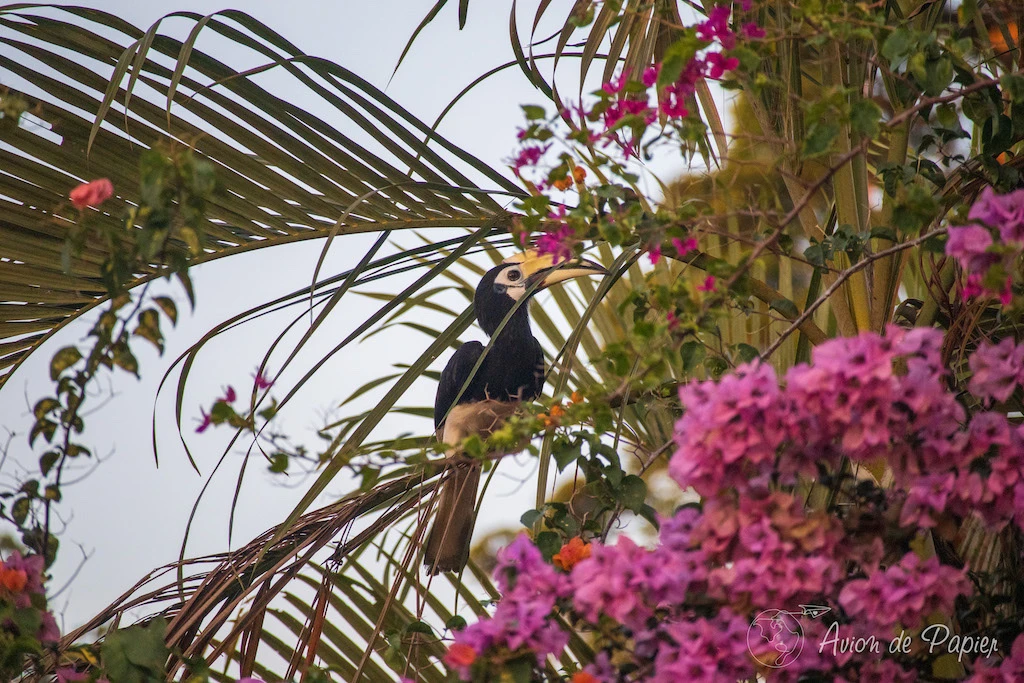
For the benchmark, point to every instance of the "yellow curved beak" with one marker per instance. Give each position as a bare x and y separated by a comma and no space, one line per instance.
543,270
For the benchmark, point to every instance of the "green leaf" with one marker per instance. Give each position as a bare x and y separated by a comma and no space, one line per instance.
676,57
44,407
456,623
865,116
549,543
533,112
419,627
632,493
747,353
279,463
692,354
20,510
785,306
136,654
530,517
47,460
898,45
820,137
124,359
168,306
565,453
149,328
1013,85
45,427
64,359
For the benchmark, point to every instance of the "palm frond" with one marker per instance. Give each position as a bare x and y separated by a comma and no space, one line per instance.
289,174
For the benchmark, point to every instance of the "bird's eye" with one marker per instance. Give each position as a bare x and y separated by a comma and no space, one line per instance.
514,275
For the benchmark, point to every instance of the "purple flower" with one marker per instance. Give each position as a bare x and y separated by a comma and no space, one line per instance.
262,381
616,85
968,245
717,64
654,254
558,242
229,395
684,246
650,75
1005,212
528,156
997,369
752,31
206,422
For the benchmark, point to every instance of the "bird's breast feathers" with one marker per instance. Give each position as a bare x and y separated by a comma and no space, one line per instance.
479,417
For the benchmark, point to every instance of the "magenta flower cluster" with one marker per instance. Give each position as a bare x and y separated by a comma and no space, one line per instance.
625,108
686,604
903,595
523,619
990,245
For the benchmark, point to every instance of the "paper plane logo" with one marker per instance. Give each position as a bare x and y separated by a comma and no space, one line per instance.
775,637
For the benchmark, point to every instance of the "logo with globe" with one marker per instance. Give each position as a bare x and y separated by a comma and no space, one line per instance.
775,638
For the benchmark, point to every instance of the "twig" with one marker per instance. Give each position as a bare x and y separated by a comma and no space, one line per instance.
845,275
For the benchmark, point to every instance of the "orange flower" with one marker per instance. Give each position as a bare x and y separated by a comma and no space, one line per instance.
571,553
577,397
556,411
578,174
459,655
91,194
563,184
584,677
13,580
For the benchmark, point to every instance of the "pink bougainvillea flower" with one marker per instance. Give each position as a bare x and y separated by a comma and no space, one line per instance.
206,422
752,31
68,674
616,85
708,285
262,381
650,75
91,194
654,254
528,156
684,246
558,243
229,395
717,64
997,369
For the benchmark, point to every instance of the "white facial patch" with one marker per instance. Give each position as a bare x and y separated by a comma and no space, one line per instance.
514,282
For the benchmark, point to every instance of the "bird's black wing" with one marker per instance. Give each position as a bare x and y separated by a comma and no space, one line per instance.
453,377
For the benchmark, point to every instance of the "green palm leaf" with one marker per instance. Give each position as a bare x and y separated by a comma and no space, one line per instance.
288,174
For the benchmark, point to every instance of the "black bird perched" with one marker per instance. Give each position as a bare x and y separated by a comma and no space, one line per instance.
512,371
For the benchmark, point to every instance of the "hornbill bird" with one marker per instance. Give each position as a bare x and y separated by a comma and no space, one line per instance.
511,371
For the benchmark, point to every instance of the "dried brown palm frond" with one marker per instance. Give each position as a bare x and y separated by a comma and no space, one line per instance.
222,609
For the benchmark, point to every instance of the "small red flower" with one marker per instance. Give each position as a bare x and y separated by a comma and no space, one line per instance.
571,553
229,395
13,580
91,194
459,655
708,286
584,677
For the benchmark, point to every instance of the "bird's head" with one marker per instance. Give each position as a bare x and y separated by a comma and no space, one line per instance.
519,276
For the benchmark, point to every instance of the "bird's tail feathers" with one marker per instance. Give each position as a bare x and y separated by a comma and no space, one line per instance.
448,542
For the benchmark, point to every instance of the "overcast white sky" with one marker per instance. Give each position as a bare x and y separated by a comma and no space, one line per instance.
129,515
